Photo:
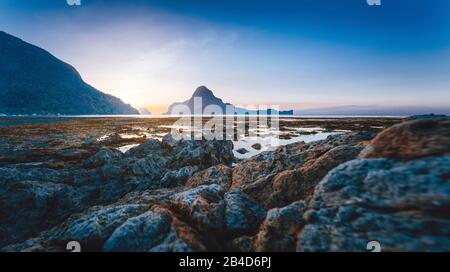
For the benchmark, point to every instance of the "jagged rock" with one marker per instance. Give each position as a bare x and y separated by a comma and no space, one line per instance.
152,167
204,205
402,205
202,153
41,204
102,157
219,174
20,173
243,244
280,229
93,228
242,214
27,207
90,229
150,147
210,208
177,177
292,156
45,197
257,146
155,231
169,141
412,140
280,189
242,151
149,198
113,170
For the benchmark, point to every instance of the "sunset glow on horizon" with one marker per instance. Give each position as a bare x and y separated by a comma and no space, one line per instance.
153,53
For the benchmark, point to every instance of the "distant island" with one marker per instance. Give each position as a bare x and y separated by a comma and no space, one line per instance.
32,81
144,111
209,99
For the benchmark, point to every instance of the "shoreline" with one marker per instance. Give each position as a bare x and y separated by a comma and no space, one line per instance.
67,182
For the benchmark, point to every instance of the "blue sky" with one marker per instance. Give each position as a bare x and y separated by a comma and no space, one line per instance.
297,54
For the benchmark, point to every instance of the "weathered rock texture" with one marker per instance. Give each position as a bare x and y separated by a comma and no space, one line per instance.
333,195
404,206
290,173
35,198
220,174
402,201
412,140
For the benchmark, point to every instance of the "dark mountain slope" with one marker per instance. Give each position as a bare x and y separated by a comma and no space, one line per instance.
34,81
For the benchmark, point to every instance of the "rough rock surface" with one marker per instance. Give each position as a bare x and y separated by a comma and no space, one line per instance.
290,173
102,157
43,197
89,229
242,214
416,139
219,174
292,156
155,231
24,204
203,205
202,153
281,229
185,196
404,206
257,146
242,151
211,208
93,228
177,177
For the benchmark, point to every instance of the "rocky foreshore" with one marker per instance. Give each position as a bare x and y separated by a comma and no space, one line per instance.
336,194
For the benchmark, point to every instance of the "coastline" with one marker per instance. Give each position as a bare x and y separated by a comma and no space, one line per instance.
195,195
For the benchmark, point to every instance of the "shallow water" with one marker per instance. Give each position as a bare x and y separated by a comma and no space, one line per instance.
33,139
268,138
125,148
272,142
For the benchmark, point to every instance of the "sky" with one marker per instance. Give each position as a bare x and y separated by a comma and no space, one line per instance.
299,54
